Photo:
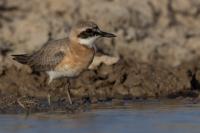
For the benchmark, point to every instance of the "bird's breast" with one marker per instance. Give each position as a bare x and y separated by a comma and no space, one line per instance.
77,59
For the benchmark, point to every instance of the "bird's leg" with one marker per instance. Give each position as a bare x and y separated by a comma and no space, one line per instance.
48,82
67,86
49,99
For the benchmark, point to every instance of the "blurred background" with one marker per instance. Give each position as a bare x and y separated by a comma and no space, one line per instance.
165,31
159,45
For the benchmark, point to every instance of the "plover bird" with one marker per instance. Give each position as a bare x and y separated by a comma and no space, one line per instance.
68,57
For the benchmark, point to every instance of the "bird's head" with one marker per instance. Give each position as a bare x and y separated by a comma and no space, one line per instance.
87,32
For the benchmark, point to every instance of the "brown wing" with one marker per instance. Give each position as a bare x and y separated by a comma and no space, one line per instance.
49,55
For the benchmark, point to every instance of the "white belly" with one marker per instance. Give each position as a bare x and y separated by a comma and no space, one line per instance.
59,74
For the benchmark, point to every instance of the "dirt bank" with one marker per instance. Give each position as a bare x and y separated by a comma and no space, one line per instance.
125,80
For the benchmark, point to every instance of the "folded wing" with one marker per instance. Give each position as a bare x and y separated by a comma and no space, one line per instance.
46,58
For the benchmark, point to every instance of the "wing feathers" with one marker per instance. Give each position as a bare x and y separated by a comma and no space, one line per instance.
47,57
23,58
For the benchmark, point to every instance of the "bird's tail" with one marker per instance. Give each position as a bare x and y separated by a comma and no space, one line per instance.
23,58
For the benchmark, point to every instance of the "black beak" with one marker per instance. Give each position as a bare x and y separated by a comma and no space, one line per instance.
106,34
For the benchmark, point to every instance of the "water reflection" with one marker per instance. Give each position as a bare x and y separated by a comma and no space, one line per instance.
139,118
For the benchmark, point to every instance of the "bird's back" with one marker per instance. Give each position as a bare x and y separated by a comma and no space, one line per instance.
46,58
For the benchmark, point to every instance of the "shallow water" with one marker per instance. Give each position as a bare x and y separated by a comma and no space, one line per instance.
134,118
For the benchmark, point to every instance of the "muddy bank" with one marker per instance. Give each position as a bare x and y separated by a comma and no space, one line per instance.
20,89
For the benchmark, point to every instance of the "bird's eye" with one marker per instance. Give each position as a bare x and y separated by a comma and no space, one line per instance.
87,33
89,30
96,27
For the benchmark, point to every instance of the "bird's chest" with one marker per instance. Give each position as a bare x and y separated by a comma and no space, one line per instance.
76,61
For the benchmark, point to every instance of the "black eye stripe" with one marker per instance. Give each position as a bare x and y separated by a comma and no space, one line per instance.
88,33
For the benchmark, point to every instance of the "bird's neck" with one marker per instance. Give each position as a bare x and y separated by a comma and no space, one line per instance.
81,47
89,42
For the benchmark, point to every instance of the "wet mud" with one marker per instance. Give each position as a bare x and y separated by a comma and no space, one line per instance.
21,90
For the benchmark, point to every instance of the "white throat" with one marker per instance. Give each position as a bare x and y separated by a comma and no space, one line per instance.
88,41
